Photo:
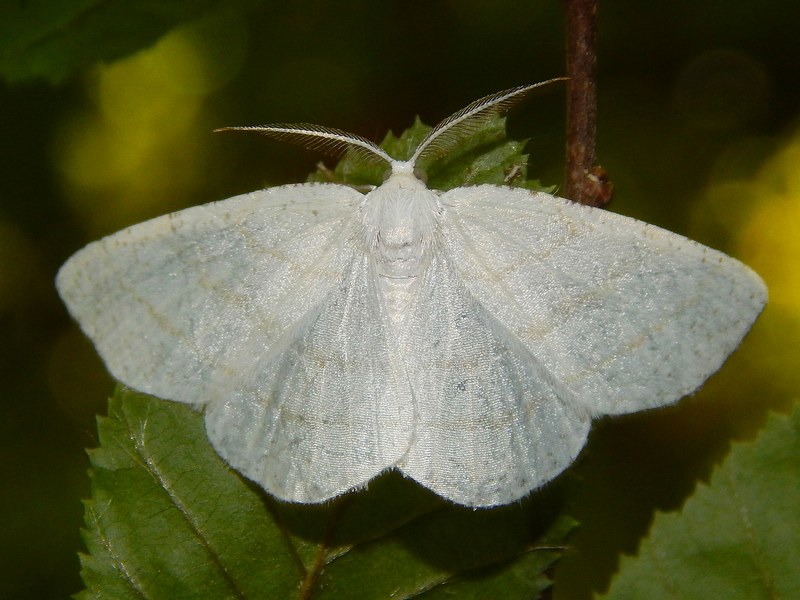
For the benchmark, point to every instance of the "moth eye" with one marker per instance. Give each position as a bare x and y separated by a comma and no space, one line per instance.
421,174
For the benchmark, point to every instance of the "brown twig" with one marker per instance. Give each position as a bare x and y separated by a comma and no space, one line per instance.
586,182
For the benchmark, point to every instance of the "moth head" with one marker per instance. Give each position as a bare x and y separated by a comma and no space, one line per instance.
441,140
405,175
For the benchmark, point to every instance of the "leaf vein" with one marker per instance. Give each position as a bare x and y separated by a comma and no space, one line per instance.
138,439
115,560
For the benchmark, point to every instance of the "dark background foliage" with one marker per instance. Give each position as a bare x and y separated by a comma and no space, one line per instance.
698,108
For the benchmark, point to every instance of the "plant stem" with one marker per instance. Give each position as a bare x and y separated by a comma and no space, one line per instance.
586,182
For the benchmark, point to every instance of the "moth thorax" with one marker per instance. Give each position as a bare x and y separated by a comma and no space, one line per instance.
398,225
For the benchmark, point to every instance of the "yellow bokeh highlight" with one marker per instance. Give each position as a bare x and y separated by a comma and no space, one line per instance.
770,236
141,149
756,216
750,209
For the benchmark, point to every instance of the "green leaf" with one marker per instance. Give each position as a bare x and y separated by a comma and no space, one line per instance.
738,537
485,156
169,519
49,40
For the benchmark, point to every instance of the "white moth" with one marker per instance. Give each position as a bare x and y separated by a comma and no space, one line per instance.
466,338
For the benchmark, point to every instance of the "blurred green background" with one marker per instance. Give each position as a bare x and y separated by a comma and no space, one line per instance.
698,128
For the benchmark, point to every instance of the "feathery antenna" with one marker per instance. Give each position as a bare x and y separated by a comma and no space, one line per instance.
439,141
469,119
334,142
